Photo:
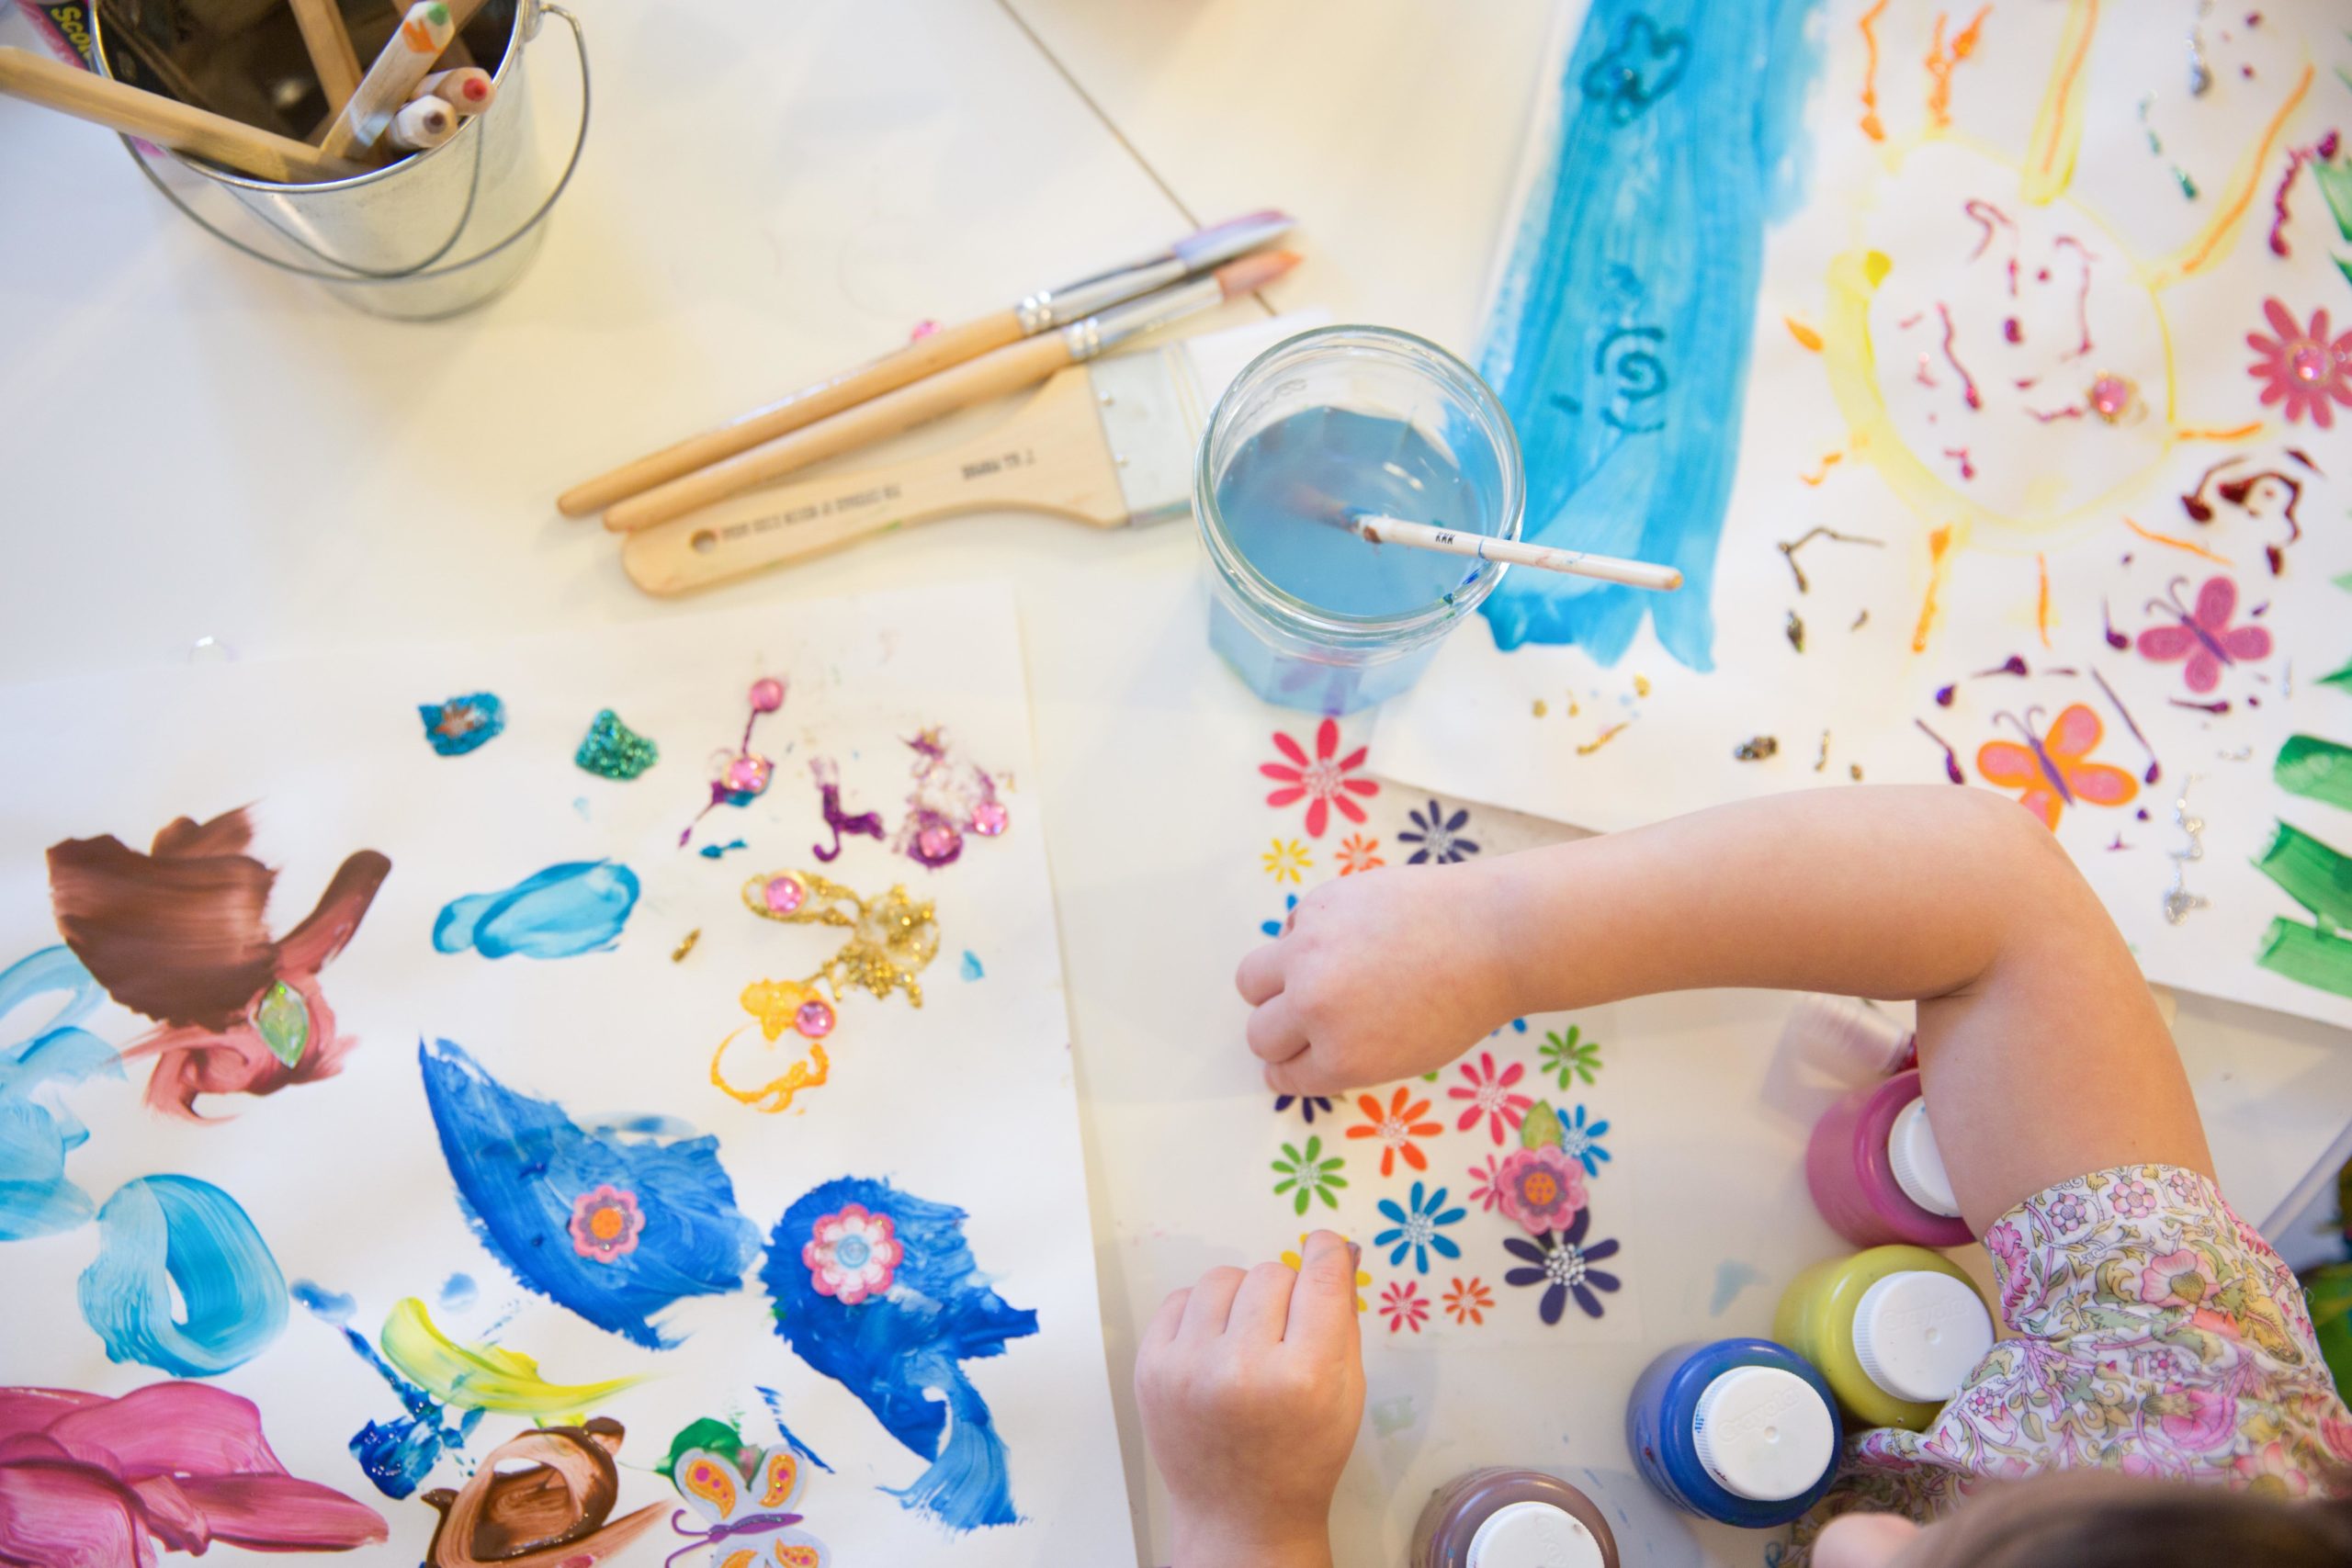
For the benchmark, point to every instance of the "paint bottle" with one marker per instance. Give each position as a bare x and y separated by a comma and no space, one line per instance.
1895,1330
1743,1431
1502,1518
1332,423
1850,1041
1876,1174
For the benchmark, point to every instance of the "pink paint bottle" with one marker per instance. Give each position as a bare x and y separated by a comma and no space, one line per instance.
1502,1518
1876,1174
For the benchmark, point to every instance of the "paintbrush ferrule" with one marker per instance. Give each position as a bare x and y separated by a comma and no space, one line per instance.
1076,301
1114,326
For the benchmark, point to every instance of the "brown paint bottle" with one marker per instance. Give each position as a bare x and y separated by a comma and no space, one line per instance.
1502,1517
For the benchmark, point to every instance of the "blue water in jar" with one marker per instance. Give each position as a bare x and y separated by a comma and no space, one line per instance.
1281,499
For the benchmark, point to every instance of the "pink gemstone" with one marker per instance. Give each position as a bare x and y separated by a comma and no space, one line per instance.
989,819
767,693
2309,364
814,1020
749,775
937,841
2111,395
784,893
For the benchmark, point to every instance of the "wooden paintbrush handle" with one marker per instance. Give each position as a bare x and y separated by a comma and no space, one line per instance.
167,122
1051,456
974,381
925,356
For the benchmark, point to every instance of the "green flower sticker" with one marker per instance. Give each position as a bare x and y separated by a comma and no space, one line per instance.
1308,1175
1571,1057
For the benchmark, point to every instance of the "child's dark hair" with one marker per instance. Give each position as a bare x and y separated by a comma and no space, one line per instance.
2104,1520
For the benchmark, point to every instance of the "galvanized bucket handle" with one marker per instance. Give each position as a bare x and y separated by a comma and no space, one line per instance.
347,275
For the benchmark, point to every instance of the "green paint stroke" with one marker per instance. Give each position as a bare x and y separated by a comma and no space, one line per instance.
2307,956
2320,768
2342,678
2311,873
2334,181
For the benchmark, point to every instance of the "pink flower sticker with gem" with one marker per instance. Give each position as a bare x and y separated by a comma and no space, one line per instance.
1543,1188
852,1255
606,1224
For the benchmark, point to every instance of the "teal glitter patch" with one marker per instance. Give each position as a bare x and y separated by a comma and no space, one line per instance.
613,750
283,1021
458,726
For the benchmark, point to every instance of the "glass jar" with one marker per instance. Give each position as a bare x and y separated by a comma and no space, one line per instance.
1315,641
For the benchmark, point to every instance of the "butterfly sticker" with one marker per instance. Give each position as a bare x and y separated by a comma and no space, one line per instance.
2204,636
2055,771
748,1519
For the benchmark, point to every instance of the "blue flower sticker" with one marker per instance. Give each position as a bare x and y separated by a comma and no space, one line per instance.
1415,1229
1276,928
1581,1140
1309,1105
1439,836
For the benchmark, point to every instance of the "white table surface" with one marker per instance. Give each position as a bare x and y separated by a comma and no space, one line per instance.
192,447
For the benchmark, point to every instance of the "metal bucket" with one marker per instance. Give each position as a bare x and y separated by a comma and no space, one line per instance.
435,233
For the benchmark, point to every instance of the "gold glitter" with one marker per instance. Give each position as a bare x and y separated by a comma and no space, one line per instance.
1854,769
1573,709
1604,737
678,955
1641,685
1540,707
1823,761
892,938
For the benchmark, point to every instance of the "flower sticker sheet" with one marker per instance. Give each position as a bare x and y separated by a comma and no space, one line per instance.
468,1076
2033,436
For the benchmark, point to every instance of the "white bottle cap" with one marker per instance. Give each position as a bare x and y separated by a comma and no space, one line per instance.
1918,1334
1918,1164
1764,1434
1533,1535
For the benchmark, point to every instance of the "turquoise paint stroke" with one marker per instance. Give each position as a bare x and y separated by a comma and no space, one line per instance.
36,1135
562,912
1619,342
159,1234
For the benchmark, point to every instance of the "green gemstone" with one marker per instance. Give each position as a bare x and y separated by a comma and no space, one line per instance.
283,1021
612,749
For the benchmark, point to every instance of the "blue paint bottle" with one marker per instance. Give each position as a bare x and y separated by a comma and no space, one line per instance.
1340,421
1741,1430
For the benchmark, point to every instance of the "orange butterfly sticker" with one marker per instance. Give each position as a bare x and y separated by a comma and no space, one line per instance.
2054,771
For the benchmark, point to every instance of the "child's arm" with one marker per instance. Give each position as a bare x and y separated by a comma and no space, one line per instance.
1250,1387
2041,1051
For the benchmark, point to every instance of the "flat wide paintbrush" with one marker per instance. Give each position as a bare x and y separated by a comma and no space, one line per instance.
991,375
929,355
1109,443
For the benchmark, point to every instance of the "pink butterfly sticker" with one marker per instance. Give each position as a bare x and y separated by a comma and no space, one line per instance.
2204,636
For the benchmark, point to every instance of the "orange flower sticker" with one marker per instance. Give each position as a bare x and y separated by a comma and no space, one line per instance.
1468,1301
1396,1127
1359,853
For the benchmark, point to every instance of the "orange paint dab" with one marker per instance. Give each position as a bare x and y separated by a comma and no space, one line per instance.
1942,60
1829,461
1938,566
1871,128
2191,545
2041,601
1806,337
2237,432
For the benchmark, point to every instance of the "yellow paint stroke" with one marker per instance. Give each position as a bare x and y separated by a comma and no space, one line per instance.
2221,234
2191,545
1806,337
1641,685
483,1377
2058,126
1941,62
1829,461
1604,737
1939,569
2042,600
1871,128
809,1074
2235,433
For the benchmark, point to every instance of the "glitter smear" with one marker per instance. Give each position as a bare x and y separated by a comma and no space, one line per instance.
2082,294
1968,383
1941,62
1939,567
2042,600
2191,545
1952,759
1871,126
2321,150
1987,215
2220,234
2058,124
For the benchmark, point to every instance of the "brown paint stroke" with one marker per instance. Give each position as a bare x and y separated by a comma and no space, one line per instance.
179,935
549,1514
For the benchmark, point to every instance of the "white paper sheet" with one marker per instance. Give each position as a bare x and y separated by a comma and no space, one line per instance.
967,1102
2174,291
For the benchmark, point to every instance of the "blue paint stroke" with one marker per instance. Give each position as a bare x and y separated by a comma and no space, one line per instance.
159,1233
1619,342
458,1291
712,851
899,1352
972,967
35,1197
579,907
520,1166
1731,1276
774,1402
330,1306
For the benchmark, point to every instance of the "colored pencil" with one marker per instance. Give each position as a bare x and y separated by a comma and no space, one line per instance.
392,80
928,356
1378,530
422,124
468,89
167,122
991,375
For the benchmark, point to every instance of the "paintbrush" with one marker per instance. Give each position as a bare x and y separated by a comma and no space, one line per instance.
1109,443
1373,528
929,355
991,375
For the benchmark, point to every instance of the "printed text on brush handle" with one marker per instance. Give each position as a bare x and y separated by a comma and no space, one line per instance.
865,500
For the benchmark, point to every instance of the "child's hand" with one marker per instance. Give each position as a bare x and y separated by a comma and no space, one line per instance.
1251,1387
1381,976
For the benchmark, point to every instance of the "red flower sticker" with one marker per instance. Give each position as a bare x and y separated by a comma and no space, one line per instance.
2302,367
1322,781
